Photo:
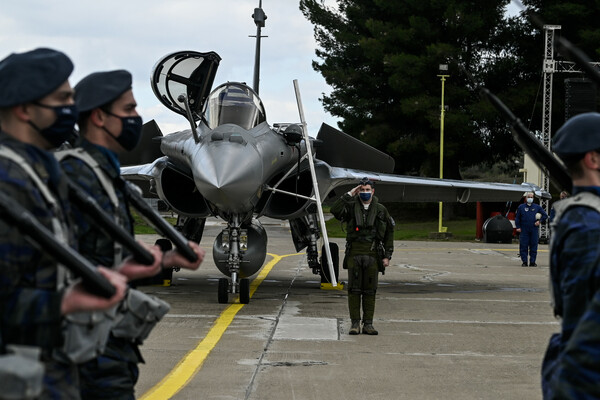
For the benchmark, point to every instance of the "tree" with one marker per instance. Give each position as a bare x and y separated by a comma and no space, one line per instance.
381,58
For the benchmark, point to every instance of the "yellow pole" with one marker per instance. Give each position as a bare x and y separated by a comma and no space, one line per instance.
443,79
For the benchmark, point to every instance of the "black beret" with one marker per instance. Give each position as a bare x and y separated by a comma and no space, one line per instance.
29,76
578,135
100,88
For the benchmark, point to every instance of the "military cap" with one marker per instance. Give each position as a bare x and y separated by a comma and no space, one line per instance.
366,181
29,76
100,88
578,135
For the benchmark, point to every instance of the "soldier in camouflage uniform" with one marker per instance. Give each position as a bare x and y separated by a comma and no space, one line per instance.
571,367
109,124
37,113
369,248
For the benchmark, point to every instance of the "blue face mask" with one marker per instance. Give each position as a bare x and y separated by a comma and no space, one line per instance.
131,131
365,196
63,128
529,200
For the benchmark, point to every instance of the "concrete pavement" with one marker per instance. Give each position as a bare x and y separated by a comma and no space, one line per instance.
455,321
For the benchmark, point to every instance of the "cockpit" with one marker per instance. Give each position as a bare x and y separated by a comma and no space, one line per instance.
234,103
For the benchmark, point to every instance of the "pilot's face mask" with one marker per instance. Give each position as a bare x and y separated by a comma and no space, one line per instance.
529,200
365,193
365,196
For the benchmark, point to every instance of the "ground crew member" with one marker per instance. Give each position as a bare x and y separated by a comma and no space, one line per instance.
571,367
109,124
37,113
527,220
369,248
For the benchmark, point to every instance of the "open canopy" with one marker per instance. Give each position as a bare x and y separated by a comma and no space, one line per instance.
187,73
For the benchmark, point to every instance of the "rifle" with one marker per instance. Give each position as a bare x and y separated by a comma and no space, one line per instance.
95,283
154,218
90,207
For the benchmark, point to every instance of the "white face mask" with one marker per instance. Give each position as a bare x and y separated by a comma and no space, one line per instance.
529,200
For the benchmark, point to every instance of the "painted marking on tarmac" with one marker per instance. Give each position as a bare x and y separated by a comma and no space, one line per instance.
189,365
451,249
452,321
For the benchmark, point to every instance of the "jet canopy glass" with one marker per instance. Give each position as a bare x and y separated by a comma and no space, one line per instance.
234,103
184,75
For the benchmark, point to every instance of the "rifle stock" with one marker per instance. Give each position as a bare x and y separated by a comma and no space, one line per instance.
28,225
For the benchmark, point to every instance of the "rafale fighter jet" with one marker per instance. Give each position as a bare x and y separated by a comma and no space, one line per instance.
232,164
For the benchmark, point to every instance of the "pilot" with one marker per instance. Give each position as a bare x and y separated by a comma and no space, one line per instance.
369,248
571,366
36,295
527,220
109,124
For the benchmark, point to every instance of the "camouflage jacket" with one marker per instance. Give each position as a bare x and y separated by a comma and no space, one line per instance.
572,367
94,243
30,298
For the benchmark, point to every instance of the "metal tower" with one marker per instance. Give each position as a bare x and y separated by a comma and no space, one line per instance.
549,68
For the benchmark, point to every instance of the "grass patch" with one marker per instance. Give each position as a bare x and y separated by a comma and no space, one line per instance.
141,227
461,229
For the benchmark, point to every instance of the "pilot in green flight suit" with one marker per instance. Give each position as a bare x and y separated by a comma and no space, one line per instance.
369,248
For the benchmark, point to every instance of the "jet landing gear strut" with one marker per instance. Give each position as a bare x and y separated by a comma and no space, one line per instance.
233,243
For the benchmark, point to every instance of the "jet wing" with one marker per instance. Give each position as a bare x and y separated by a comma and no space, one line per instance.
334,181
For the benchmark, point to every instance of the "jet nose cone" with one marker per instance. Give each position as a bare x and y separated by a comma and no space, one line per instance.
229,175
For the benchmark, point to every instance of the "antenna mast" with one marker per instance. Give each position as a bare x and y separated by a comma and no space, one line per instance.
259,19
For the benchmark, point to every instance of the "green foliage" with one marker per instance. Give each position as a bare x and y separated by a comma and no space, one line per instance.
381,58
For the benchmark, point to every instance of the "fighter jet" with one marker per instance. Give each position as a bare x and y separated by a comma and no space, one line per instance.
234,165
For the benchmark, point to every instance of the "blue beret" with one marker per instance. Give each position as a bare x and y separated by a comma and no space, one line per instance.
100,88
29,76
578,135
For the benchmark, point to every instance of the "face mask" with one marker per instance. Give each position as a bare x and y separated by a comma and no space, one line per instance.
365,196
63,128
529,200
131,131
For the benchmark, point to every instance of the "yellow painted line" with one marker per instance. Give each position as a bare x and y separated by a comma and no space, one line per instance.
185,369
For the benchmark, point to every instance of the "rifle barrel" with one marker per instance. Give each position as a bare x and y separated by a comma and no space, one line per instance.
180,242
28,225
91,208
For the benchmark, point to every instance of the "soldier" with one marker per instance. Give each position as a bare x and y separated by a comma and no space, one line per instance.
571,367
37,113
369,248
109,124
528,219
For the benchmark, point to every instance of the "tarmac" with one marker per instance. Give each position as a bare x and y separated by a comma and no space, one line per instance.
456,320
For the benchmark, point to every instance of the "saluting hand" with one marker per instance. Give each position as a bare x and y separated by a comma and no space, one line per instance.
355,191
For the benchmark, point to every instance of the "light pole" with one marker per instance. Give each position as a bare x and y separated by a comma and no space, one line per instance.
443,68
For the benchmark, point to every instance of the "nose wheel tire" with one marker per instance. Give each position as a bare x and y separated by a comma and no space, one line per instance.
245,291
223,290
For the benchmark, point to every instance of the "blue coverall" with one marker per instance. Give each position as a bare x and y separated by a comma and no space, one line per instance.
529,237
